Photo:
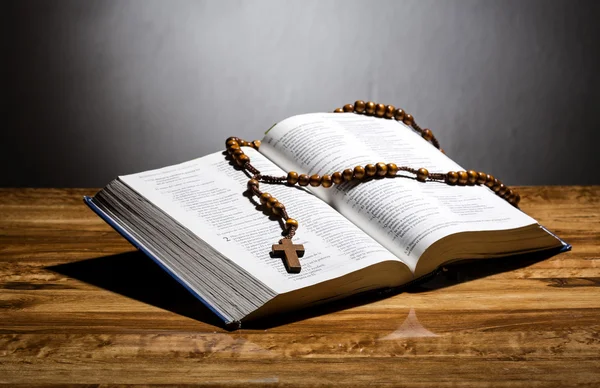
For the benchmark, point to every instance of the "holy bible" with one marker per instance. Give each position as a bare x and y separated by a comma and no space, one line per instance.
199,223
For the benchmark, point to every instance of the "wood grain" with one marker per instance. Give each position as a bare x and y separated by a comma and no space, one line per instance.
79,306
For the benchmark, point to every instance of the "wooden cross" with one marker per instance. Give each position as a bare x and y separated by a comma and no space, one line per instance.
290,252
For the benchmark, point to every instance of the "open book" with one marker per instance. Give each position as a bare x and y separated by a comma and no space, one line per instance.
198,222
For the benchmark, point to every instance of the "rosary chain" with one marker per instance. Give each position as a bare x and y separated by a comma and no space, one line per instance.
378,170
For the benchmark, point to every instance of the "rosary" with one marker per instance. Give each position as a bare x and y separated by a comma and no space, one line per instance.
291,252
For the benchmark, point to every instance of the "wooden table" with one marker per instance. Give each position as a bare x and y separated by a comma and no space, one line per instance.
78,305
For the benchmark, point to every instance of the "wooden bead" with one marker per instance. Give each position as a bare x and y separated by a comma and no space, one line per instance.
452,177
232,148
303,180
252,183
408,119
291,223
278,209
326,181
462,177
264,198
496,185
231,138
237,153
502,190
392,169
379,110
292,177
508,194
359,172
489,180
427,134
370,108
472,177
422,174
243,159
347,174
315,180
337,177
271,202
370,169
256,143
381,169
389,111
338,110
243,143
399,114
348,108
231,142
481,178
517,199
359,106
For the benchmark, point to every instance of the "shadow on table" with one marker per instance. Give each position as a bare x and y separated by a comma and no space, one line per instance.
135,276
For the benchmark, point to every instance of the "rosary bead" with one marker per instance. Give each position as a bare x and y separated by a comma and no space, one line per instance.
315,180
463,177
392,169
381,169
231,142
252,183
264,198
508,194
290,222
427,134
256,143
399,114
337,177
370,170
389,111
496,185
347,174
303,180
292,177
243,159
229,139
237,153
278,209
422,174
326,181
233,147
379,110
370,108
517,199
452,177
481,178
472,177
338,110
359,106
243,143
348,108
408,120
489,180
502,190
359,172
271,202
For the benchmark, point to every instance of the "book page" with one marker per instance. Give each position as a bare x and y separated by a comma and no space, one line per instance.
208,196
404,215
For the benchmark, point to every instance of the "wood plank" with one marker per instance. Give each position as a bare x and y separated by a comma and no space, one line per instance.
79,306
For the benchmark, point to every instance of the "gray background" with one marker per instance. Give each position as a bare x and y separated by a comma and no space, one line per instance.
94,89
